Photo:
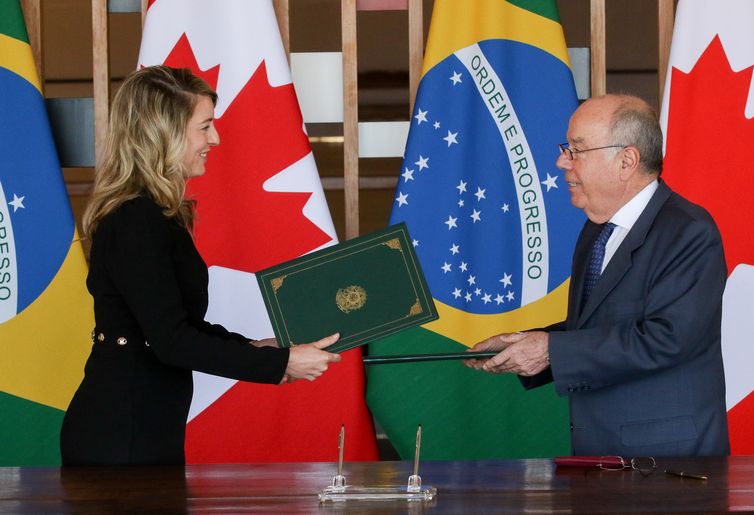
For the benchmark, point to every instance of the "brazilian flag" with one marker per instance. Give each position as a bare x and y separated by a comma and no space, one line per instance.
491,221
45,311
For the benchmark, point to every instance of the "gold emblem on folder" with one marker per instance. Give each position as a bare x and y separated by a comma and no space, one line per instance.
351,298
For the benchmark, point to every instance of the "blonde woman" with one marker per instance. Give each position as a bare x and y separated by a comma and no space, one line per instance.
149,284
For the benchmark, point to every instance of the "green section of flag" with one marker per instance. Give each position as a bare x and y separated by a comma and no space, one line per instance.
470,415
12,20
545,8
30,433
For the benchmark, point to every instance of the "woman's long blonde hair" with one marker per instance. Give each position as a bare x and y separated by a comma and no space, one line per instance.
146,142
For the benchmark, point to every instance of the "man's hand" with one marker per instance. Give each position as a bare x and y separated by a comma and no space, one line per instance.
527,356
494,343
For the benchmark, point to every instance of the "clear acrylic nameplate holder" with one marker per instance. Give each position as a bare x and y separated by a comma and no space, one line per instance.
413,491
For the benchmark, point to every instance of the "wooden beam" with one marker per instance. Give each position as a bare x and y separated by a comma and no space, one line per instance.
665,17
282,11
100,76
33,18
599,63
415,49
350,117
381,5
382,182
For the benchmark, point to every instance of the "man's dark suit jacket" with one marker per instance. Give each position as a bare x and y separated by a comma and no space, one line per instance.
149,285
641,361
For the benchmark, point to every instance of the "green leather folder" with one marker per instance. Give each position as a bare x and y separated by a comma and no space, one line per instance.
364,288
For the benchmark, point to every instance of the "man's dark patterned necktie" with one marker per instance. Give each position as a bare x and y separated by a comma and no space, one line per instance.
595,261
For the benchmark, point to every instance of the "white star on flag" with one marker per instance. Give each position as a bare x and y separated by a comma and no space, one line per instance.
454,249
451,222
421,116
445,267
415,243
422,162
505,208
499,299
460,203
463,266
467,297
510,295
487,298
456,77
506,280
550,182
451,138
461,187
436,125
17,202
401,199
408,175
457,293
479,194
477,292
476,216
471,280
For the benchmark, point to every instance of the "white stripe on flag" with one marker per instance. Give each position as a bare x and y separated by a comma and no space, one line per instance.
237,305
737,331
532,213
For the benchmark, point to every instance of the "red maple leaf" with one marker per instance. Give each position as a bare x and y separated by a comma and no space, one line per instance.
239,225
182,56
709,143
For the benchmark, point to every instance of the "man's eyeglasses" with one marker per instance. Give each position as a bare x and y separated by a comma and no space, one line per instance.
643,464
569,152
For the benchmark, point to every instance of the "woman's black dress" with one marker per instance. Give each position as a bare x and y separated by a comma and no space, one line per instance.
149,285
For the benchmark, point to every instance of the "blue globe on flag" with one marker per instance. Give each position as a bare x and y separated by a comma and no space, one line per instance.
489,213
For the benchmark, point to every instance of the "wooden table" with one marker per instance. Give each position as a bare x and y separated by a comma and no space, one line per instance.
462,487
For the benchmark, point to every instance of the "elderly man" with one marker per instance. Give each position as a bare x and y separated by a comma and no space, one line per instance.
639,353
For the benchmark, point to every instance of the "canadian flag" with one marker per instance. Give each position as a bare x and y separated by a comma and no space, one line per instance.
260,203
707,113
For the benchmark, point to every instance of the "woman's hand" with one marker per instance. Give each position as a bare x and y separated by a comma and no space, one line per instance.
267,342
309,361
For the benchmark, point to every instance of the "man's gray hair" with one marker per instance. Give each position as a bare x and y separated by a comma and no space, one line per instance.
635,123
